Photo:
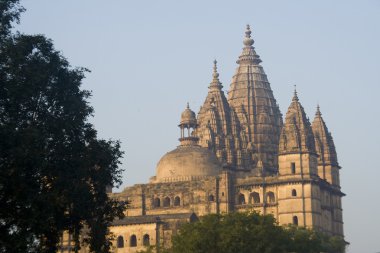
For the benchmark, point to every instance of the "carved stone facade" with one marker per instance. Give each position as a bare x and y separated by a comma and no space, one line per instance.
238,155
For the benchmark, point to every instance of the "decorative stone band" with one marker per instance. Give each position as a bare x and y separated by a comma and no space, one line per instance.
189,141
297,152
184,178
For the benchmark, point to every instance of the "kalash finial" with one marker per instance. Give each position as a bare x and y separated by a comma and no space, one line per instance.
215,74
295,96
318,113
248,41
187,106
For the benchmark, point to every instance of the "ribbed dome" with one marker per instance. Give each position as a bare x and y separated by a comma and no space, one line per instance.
187,163
188,117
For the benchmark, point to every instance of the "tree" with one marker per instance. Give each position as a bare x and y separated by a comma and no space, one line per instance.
250,233
10,11
54,171
309,241
233,232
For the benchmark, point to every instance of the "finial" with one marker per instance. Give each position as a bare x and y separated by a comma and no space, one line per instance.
248,31
295,96
248,56
188,106
215,74
318,113
215,83
248,41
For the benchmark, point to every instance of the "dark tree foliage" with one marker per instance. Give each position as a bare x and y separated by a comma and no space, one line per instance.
53,169
250,233
10,11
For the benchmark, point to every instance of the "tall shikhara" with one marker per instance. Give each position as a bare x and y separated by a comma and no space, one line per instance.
243,130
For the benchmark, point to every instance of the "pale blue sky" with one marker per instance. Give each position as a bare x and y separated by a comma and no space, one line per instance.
148,58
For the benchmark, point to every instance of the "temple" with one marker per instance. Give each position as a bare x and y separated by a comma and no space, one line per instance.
237,154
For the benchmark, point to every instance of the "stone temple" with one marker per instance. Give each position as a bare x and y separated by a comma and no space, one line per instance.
238,154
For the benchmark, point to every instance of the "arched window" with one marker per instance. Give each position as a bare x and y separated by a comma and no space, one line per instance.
156,202
211,198
295,220
166,202
177,201
120,242
241,199
270,197
293,168
254,198
133,241
294,193
146,240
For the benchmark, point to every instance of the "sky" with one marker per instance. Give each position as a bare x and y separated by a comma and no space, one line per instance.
149,58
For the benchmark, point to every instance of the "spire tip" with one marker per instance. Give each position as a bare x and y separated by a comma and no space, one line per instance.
248,41
318,112
295,96
215,73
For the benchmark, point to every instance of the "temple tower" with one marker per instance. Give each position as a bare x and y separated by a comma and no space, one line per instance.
214,129
299,198
254,107
328,170
328,167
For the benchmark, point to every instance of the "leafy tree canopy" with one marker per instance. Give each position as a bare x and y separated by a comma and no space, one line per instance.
10,11
250,233
54,171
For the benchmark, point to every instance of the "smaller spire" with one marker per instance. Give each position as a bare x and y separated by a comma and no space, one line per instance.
295,96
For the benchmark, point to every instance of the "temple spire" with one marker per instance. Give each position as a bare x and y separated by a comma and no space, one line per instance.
252,102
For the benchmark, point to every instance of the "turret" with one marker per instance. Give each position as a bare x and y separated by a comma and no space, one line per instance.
187,126
328,167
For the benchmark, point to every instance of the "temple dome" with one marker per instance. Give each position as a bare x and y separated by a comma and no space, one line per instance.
187,163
